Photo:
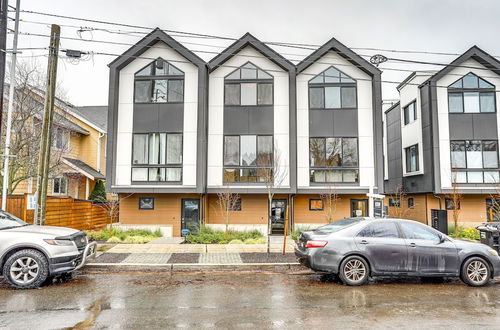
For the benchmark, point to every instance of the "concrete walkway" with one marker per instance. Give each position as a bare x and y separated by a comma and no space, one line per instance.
199,248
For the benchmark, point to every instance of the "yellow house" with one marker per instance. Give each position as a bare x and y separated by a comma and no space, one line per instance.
79,145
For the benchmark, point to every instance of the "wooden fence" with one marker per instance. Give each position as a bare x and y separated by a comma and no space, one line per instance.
66,212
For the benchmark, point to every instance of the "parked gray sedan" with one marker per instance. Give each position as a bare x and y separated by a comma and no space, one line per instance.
357,248
30,255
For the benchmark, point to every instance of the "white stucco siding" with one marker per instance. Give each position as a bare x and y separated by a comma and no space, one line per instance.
216,113
365,119
478,69
411,134
126,114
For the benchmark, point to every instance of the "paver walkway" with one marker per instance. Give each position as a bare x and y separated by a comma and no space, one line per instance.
147,258
220,258
199,248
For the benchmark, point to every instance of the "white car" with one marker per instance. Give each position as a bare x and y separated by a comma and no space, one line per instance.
30,255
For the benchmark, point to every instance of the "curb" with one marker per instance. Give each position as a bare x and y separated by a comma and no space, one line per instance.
175,267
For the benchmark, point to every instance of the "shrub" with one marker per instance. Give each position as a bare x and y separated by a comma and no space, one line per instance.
114,239
207,235
296,232
261,240
467,233
106,234
250,241
235,241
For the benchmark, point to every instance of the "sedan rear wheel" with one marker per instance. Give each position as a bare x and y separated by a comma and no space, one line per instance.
354,271
26,269
475,272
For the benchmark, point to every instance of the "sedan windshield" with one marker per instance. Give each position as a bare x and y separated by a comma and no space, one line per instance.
338,225
9,221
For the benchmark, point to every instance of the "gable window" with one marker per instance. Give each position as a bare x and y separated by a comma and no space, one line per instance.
332,89
471,94
474,161
157,157
315,204
333,159
159,82
59,185
247,158
410,113
412,159
248,86
60,140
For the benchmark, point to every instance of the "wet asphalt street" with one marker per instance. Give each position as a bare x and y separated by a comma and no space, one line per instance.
246,300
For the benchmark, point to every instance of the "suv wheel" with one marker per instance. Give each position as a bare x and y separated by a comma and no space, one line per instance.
354,271
475,272
26,269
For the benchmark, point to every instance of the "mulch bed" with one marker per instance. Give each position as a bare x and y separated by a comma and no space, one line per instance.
184,258
111,258
267,258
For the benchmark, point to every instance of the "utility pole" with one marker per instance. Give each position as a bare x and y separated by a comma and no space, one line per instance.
4,6
48,115
12,88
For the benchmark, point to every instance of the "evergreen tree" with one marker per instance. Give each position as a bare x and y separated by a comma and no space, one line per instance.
98,194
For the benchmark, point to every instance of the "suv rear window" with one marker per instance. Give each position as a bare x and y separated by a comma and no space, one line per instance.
338,225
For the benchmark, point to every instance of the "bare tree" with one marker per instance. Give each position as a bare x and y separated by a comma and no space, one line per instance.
274,175
455,196
399,208
330,199
26,127
227,202
112,207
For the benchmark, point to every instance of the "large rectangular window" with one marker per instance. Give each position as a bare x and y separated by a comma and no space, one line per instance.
248,93
333,159
247,158
474,161
412,161
332,97
157,157
471,102
410,113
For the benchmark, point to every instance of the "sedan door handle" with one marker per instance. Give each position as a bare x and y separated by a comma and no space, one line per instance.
413,245
363,242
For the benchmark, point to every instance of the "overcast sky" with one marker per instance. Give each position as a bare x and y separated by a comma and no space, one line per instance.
450,26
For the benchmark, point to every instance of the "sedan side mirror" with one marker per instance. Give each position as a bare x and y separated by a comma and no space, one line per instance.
442,239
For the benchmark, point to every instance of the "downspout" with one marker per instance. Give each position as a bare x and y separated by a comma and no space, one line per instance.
98,161
440,200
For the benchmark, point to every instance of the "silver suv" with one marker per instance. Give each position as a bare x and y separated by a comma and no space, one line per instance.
30,255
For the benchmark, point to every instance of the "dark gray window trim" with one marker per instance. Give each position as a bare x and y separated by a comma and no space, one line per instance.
143,208
316,199
405,116
311,168
224,167
466,168
407,158
341,85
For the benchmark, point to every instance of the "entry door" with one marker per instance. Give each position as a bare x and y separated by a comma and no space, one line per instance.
359,207
190,217
278,215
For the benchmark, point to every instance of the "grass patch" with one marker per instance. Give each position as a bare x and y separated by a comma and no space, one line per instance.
116,235
207,235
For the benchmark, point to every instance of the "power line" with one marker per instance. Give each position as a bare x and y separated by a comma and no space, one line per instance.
271,57
198,35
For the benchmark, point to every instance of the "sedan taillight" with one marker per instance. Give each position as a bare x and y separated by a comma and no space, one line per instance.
316,244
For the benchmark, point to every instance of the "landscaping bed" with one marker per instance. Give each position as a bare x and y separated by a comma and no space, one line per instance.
116,236
207,235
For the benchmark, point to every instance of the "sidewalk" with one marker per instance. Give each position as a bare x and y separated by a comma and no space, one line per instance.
197,256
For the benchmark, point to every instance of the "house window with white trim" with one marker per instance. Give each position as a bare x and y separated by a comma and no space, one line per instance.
59,185
410,113
60,140
412,161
